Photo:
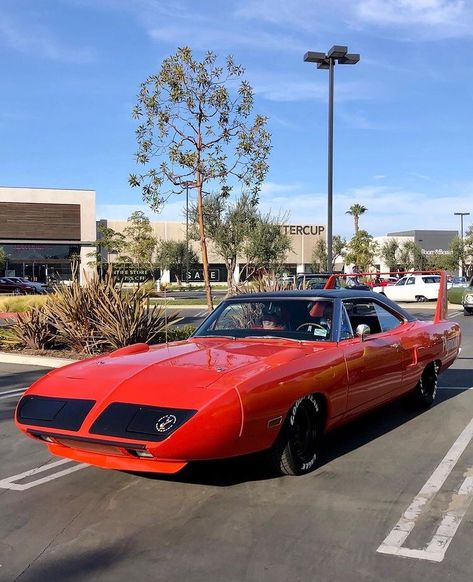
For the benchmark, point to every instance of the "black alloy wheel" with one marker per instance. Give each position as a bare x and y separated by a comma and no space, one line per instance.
426,389
296,451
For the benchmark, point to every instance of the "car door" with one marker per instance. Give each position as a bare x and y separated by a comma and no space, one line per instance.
397,291
4,287
374,364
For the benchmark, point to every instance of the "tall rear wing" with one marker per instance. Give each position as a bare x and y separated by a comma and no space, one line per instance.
441,309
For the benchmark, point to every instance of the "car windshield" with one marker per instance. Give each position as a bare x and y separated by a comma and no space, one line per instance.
296,319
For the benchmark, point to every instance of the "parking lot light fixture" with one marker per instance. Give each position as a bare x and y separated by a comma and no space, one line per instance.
461,215
337,54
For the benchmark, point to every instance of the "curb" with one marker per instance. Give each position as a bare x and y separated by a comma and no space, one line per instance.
45,361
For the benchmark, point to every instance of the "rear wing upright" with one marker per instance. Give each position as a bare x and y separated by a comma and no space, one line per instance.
441,309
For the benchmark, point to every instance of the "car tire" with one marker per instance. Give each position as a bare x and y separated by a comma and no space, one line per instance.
296,450
17,291
421,298
466,311
425,391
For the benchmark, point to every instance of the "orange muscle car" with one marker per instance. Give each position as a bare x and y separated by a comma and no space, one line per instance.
264,372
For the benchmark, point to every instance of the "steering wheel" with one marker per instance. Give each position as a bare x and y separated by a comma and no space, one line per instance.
309,325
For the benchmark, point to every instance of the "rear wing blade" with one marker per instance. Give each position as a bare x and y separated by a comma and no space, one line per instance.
441,309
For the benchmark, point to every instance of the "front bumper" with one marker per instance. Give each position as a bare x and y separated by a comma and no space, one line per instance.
118,455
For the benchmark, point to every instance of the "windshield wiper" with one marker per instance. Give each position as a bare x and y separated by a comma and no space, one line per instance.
278,337
216,335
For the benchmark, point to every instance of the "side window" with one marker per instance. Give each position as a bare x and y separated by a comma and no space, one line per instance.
386,319
401,281
346,331
370,313
411,281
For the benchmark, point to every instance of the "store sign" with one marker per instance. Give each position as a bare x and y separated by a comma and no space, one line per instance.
435,252
197,275
304,230
130,274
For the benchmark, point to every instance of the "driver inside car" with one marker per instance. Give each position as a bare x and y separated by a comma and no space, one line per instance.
272,321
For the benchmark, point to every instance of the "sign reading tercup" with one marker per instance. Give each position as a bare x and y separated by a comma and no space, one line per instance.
306,229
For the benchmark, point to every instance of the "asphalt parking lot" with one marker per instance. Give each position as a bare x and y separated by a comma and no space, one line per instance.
390,501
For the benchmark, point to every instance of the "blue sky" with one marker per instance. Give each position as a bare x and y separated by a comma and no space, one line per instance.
403,115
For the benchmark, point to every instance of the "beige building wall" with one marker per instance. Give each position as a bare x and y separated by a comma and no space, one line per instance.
303,237
84,198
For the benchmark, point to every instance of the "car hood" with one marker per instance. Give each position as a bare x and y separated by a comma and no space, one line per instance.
184,374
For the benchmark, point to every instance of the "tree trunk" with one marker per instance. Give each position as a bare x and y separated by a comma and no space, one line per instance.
203,246
231,265
356,223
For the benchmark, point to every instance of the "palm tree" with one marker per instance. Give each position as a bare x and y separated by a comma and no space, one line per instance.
356,210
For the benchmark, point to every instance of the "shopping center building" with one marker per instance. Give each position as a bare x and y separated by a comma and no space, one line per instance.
45,231
303,238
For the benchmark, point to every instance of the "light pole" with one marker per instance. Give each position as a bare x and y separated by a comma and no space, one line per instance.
461,215
340,55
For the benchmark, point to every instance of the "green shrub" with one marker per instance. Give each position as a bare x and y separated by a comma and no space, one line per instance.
21,304
175,334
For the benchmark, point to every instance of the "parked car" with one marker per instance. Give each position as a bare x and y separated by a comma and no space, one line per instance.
467,300
16,287
385,281
412,288
265,372
459,282
38,287
318,281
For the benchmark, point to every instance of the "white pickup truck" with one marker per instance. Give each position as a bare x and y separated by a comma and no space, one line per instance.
412,288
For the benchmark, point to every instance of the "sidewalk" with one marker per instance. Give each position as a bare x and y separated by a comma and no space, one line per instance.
46,361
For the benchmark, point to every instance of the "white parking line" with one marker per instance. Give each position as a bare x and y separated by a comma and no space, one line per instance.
11,482
12,393
436,548
462,388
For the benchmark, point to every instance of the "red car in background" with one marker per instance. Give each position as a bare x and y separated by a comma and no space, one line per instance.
17,287
264,372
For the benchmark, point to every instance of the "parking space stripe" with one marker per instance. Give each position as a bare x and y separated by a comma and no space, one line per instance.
11,394
462,388
11,482
435,550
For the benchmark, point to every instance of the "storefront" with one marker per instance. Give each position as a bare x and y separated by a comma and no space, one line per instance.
41,262
47,233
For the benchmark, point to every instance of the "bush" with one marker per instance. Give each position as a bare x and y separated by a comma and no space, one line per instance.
175,334
93,318
34,330
21,304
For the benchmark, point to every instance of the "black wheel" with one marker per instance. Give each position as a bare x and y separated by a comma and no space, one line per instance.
426,389
421,298
296,450
17,291
466,311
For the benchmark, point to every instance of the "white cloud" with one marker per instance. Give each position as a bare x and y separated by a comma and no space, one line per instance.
289,88
205,35
171,211
390,209
419,19
36,40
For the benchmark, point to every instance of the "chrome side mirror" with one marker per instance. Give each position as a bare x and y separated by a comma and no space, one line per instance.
363,330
